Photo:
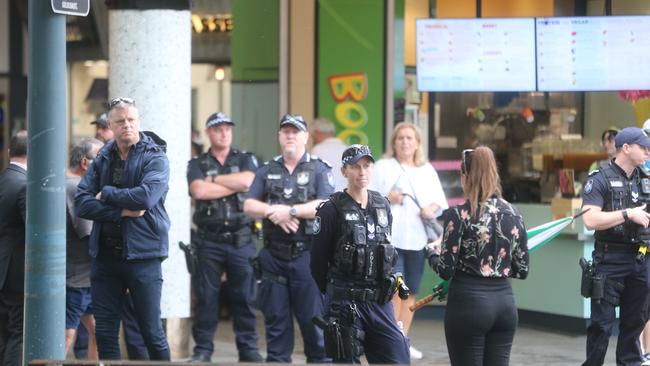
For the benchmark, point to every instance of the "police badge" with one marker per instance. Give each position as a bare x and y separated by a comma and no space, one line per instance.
303,178
287,192
316,225
382,217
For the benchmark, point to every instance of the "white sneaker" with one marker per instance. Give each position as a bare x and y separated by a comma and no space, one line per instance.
415,354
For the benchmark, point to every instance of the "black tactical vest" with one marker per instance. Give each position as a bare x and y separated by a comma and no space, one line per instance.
226,213
363,255
278,192
623,193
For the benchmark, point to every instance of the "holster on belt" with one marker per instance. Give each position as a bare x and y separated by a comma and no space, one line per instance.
342,341
191,257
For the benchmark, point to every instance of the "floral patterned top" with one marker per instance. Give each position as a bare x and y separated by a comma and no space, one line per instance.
494,244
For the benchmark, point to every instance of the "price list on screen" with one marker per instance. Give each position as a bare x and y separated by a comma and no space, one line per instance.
476,54
593,53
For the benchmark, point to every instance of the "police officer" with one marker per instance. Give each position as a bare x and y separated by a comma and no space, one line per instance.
285,193
217,180
352,261
612,196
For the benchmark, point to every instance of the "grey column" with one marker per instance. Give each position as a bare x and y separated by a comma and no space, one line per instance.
44,322
150,61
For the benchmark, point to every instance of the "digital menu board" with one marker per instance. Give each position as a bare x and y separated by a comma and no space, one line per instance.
475,54
593,53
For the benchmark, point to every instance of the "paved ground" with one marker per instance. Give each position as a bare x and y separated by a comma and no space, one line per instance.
532,346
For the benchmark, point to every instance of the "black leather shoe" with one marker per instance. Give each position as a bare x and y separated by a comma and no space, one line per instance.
200,357
251,356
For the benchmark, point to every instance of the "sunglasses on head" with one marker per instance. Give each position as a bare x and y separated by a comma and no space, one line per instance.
465,163
121,100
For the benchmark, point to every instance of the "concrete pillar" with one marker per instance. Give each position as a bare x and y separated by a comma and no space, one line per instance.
150,61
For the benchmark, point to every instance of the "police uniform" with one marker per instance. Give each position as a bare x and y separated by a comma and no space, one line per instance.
223,244
615,258
352,262
286,284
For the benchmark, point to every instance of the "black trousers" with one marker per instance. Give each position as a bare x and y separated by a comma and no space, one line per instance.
11,329
480,320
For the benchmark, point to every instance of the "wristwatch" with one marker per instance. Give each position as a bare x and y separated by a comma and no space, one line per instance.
293,212
625,216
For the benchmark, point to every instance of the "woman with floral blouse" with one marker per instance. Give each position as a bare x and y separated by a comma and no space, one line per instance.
484,243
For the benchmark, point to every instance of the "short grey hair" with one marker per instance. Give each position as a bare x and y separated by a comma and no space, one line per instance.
323,125
83,148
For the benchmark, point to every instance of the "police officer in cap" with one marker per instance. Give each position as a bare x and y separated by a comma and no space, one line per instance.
612,196
285,193
217,181
352,261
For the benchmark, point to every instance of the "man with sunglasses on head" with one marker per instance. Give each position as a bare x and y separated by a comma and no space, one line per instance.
217,181
613,197
123,192
285,193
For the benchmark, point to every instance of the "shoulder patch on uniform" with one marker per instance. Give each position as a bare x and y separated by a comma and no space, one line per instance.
330,179
316,225
589,185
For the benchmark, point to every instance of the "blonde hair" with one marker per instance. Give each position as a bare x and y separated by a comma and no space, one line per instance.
418,157
481,177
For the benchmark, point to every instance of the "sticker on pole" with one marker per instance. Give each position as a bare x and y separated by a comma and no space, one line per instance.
71,7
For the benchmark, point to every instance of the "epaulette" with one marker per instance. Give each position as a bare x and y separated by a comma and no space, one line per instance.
593,172
315,157
277,158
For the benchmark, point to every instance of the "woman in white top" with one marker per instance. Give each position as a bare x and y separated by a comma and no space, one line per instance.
415,193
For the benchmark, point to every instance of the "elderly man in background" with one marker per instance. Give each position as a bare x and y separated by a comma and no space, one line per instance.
330,148
78,300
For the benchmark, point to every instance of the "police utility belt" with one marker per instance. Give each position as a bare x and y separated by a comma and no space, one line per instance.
236,237
337,293
286,250
605,247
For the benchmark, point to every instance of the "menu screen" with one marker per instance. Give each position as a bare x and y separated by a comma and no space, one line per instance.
593,53
475,54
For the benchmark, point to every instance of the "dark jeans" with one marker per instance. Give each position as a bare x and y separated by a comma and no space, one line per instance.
480,320
135,346
623,268
300,297
11,329
214,260
111,278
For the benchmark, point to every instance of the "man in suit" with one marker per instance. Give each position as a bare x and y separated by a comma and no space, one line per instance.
13,186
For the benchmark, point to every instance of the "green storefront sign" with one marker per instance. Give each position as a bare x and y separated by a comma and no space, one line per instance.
350,70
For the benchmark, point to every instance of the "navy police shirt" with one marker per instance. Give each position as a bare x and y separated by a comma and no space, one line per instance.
247,162
323,175
596,190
